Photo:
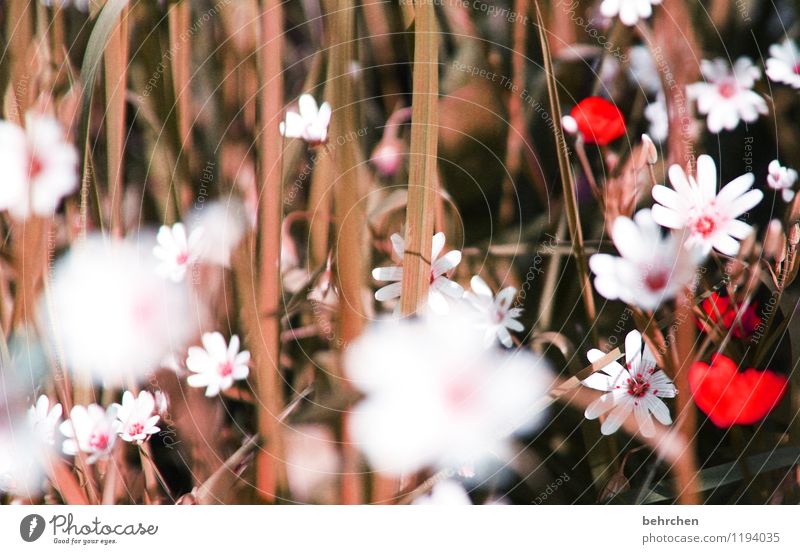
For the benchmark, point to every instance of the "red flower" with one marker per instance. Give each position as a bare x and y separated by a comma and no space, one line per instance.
730,397
721,309
598,120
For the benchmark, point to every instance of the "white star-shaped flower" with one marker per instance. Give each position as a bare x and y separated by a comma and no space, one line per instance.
636,388
44,418
311,124
135,418
781,178
629,11
176,251
217,365
783,64
652,268
90,429
726,97
39,166
497,315
440,288
708,217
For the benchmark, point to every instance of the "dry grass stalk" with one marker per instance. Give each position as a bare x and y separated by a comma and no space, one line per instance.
422,161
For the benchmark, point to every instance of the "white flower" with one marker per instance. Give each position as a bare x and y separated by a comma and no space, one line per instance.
217,365
161,402
445,493
436,397
175,251
497,314
636,388
708,217
44,418
782,178
226,222
658,118
727,96
311,124
39,166
440,287
135,418
111,314
629,11
643,69
90,429
22,458
783,64
82,5
652,268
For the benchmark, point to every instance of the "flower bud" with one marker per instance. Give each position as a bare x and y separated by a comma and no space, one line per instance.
651,153
387,157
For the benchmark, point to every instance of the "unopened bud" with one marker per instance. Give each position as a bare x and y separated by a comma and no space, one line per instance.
650,151
387,156
569,124
774,240
794,235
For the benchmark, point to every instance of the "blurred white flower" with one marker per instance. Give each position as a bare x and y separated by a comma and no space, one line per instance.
445,493
497,315
727,96
643,70
311,124
111,314
629,11
135,418
82,5
312,463
709,218
782,178
226,223
783,64
175,251
90,429
637,389
44,418
436,397
658,117
440,288
652,268
23,450
161,402
39,166
217,365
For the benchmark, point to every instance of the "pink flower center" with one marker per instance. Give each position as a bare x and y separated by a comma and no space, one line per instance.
225,369
182,258
638,387
655,281
705,226
727,89
458,392
796,69
35,167
498,316
135,429
98,441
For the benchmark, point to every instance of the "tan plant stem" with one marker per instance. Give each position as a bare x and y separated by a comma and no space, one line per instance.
422,161
348,210
270,470
115,59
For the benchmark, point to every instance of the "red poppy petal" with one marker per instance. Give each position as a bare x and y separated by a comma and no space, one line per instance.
599,121
729,397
